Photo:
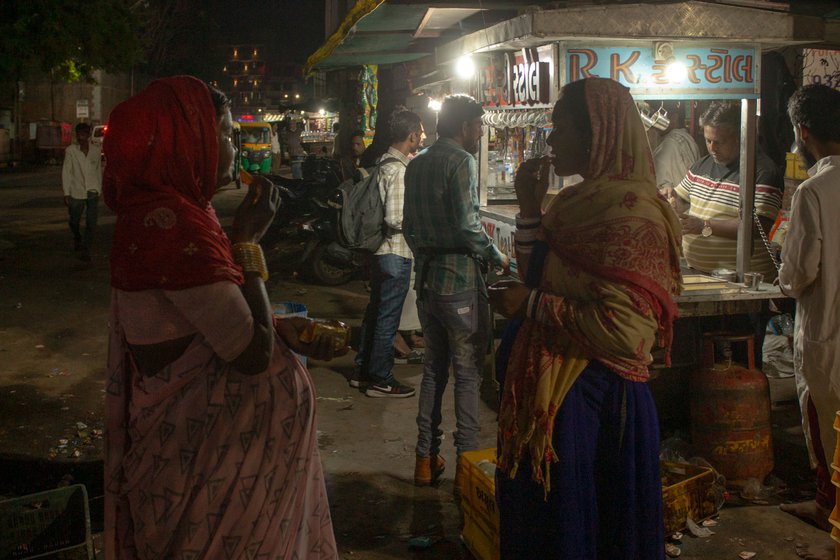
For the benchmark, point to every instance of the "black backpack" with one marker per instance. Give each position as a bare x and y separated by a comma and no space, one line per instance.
360,223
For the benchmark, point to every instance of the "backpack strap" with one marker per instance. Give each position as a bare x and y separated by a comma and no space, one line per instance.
389,231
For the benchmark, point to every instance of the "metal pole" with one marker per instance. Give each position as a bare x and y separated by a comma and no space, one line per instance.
483,167
747,187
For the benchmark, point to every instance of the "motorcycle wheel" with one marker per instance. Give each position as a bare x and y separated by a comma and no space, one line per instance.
324,272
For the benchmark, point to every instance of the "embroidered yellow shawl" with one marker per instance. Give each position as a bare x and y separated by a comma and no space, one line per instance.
612,269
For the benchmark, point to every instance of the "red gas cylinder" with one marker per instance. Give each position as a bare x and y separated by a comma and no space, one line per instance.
730,413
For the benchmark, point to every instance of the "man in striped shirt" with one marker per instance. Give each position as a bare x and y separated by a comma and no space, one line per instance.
708,198
451,251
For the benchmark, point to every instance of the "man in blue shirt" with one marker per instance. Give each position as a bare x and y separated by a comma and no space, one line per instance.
452,251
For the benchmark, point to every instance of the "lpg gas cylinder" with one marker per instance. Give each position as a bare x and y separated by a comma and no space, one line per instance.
730,413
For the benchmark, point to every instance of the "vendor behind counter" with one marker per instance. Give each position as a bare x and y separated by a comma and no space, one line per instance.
708,198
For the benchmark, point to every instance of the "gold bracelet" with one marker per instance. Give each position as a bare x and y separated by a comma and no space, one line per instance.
250,256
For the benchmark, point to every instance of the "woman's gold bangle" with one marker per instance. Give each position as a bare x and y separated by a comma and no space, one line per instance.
250,256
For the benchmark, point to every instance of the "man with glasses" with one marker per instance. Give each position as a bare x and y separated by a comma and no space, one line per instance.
452,251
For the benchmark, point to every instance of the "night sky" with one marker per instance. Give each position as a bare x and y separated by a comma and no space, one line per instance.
292,26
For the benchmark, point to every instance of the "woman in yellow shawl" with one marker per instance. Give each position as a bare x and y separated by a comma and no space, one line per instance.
578,473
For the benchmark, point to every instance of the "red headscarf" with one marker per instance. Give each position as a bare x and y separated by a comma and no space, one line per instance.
161,154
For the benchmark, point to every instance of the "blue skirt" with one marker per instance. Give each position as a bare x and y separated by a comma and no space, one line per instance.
606,493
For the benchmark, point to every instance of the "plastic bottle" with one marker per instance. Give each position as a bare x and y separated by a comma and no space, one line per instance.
510,167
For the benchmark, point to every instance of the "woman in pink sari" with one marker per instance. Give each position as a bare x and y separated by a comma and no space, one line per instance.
211,448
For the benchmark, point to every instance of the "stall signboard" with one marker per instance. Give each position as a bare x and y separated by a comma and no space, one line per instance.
82,111
527,78
821,66
502,234
516,79
686,72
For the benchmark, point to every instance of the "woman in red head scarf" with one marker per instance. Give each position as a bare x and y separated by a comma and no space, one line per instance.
578,431
211,448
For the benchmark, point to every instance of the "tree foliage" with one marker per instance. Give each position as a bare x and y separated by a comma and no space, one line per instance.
179,37
71,39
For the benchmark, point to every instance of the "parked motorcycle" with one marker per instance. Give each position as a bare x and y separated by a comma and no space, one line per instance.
320,178
307,209
324,260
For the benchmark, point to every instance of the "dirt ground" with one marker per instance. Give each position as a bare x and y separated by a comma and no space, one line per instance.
53,333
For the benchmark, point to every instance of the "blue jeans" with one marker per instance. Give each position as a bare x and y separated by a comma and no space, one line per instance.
297,167
390,277
456,330
90,207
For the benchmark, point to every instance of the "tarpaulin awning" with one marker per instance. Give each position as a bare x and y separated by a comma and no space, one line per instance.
389,32
373,32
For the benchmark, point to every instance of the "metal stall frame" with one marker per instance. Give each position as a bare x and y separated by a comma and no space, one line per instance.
694,23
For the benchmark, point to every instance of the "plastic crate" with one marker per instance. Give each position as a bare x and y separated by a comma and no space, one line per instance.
794,168
42,524
479,487
480,540
687,491
478,504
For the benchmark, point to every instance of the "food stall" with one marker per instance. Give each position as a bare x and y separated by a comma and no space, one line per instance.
682,51
317,136
689,51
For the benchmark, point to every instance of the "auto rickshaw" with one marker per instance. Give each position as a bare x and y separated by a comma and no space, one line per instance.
255,154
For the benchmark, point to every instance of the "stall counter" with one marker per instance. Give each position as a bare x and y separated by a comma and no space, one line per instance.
720,298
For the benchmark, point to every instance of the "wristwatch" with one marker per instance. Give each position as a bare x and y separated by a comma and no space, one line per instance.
707,228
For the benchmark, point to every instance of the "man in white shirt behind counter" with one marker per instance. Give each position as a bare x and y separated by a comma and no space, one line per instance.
81,179
676,151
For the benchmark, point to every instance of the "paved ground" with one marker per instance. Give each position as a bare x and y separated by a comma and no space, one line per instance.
53,328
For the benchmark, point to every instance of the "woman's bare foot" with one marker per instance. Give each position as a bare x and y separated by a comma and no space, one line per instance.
810,512
821,551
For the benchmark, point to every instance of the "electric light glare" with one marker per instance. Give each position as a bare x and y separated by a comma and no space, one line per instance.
465,67
676,72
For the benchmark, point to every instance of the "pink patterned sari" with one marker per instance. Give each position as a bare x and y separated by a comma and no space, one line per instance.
201,462
205,463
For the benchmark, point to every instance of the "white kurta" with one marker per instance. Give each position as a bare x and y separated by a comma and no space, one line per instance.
811,273
81,172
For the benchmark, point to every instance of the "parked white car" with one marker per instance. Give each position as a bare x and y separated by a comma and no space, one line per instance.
98,133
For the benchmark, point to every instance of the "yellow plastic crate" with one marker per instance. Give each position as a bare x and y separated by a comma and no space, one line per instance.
794,168
478,505
687,491
479,488
481,540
